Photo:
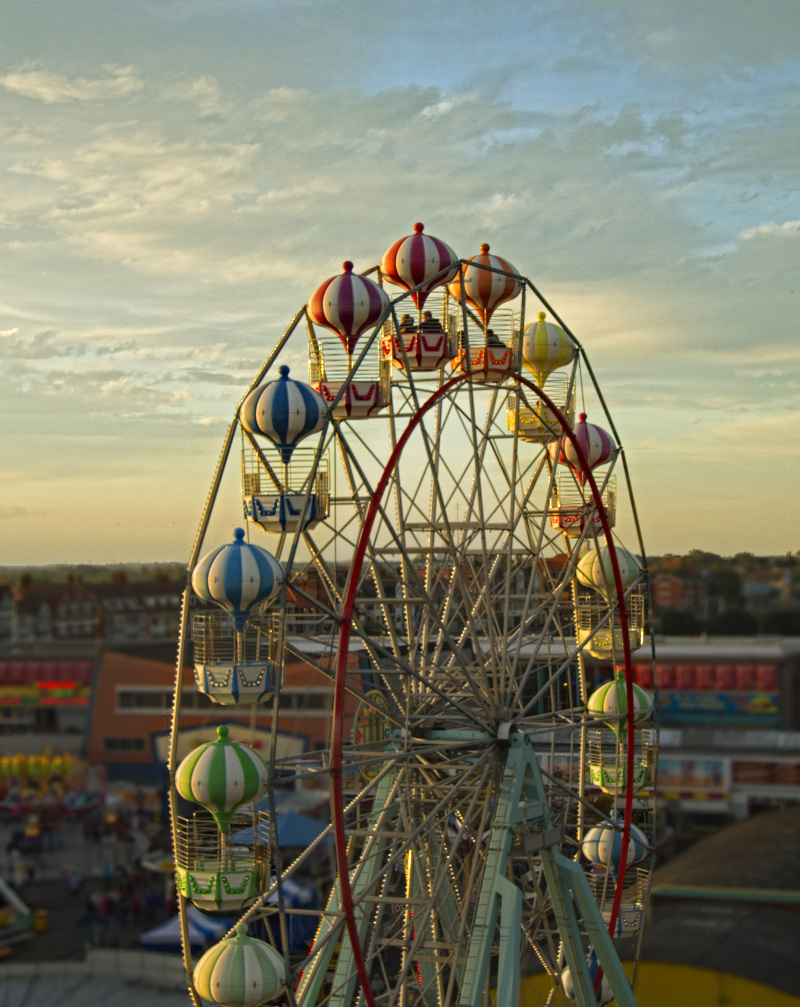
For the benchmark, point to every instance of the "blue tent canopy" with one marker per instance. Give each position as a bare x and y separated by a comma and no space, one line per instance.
294,829
203,931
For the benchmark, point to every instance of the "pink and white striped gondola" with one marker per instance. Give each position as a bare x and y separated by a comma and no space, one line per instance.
348,304
597,446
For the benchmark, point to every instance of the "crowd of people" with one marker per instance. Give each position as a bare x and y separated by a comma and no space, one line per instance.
85,861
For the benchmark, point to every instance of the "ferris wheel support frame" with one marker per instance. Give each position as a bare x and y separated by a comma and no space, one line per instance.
566,882
607,957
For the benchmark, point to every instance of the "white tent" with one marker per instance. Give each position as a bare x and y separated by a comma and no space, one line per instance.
203,932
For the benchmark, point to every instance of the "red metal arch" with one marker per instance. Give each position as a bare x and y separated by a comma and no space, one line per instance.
337,795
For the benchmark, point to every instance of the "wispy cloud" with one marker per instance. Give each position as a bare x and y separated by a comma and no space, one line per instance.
56,88
788,229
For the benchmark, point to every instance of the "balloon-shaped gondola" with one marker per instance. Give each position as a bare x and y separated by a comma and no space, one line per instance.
285,411
597,446
348,304
487,282
546,347
610,702
237,577
604,995
602,845
419,260
221,776
240,971
595,570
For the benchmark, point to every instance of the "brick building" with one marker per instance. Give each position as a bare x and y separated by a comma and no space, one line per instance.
130,720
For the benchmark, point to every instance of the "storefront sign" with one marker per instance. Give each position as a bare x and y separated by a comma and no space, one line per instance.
758,773
756,708
693,779
45,694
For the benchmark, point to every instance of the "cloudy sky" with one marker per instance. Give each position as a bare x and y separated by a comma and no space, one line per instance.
178,176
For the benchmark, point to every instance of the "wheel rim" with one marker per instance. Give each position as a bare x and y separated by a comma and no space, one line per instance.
497,698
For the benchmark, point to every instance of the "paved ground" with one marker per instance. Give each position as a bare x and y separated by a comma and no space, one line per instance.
78,988
89,892
94,897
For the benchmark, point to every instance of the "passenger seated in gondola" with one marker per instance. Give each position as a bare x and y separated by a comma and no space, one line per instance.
493,340
407,324
429,323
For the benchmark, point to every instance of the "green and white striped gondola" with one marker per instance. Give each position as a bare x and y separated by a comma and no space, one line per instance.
610,703
240,971
594,570
222,775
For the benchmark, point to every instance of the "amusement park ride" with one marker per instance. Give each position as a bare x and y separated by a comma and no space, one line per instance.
491,813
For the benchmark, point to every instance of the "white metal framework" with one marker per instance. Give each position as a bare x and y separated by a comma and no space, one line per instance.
442,538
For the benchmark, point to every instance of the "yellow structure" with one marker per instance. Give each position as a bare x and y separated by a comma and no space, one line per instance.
662,984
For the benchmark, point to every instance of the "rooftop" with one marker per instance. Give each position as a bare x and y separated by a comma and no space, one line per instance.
708,649
730,902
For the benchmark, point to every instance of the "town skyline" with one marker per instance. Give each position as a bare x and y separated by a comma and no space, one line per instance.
179,178
8,571
700,592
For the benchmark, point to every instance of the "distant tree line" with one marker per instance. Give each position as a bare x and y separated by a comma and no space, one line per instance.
741,595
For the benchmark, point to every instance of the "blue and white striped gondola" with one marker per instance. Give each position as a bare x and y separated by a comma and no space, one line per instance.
605,994
237,577
278,512
285,411
233,664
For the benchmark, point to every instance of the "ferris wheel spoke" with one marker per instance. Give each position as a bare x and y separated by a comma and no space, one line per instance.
417,589
460,667
550,631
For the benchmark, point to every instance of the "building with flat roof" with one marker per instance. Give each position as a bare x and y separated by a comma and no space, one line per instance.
130,719
729,713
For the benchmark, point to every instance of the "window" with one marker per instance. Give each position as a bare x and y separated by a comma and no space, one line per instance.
314,702
123,744
153,700
192,699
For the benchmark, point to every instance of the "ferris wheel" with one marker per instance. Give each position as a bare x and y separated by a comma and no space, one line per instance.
432,527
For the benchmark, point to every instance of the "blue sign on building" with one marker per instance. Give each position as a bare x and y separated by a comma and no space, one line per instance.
758,709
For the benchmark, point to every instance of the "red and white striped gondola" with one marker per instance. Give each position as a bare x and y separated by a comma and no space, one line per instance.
420,264
348,304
